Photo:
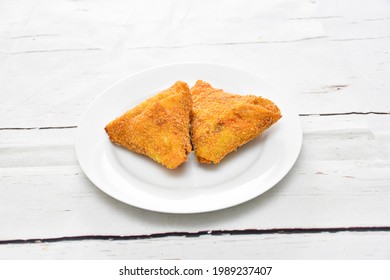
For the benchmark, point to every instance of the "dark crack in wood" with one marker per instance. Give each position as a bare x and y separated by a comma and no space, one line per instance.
37,128
197,234
346,113
302,115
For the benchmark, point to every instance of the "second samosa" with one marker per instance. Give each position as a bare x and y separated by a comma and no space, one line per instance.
221,122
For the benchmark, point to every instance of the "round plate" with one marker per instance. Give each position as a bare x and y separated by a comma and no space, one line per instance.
193,187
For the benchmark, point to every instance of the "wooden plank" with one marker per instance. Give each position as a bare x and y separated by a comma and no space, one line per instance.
135,24
63,68
340,179
318,77
332,62
345,245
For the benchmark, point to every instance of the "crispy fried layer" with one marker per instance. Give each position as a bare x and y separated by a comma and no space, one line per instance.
158,127
221,122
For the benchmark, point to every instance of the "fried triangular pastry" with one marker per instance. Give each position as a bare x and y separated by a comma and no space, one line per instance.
221,122
158,127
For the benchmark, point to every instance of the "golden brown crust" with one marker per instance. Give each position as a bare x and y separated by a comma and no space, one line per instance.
158,127
221,122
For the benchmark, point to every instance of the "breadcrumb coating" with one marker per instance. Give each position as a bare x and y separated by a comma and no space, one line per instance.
221,122
158,127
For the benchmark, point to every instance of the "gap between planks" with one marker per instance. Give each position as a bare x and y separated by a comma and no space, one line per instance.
38,128
162,47
301,115
198,234
194,44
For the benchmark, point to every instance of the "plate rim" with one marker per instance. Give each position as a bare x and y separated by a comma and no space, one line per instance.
181,211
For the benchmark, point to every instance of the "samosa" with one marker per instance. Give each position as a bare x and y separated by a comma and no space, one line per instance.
158,127
221,122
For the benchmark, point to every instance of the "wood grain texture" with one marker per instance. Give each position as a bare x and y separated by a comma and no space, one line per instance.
64,65
275,246
343,168
330,59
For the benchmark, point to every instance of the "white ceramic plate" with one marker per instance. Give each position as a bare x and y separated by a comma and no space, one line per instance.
193,187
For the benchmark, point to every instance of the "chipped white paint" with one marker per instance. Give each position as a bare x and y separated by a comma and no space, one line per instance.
55,57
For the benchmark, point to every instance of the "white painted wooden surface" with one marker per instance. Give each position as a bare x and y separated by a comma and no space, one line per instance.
331,60
274,246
